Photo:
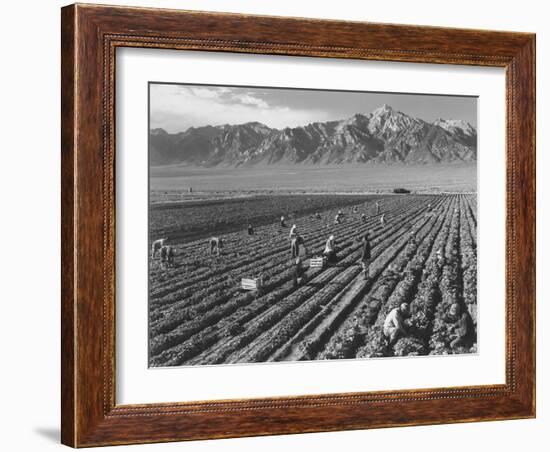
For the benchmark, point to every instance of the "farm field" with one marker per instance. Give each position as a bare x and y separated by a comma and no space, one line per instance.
198,314
203,218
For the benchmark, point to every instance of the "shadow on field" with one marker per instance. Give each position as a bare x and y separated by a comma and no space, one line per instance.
329,284
343,265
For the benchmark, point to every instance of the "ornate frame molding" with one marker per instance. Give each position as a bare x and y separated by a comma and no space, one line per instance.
90,37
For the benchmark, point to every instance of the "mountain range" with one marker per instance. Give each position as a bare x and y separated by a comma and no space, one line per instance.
383,136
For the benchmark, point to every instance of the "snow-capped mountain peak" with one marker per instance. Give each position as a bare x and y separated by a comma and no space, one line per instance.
385,135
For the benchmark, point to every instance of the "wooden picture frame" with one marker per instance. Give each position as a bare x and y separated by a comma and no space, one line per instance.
90,35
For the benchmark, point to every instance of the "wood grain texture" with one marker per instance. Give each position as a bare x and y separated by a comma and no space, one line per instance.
68,147
90,36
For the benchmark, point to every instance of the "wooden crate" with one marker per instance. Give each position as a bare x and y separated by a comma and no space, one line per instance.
317,262
251,283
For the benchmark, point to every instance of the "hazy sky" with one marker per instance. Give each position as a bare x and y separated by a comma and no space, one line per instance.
175,108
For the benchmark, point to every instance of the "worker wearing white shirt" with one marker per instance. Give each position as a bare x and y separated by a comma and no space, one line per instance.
393,324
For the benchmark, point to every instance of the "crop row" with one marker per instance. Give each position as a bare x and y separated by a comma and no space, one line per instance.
199,316
374,342
253,252
271,266
315,338
278,307
187,220
315,301
238,246
356,332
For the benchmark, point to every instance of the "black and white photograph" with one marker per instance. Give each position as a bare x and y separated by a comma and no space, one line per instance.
246,226
292,224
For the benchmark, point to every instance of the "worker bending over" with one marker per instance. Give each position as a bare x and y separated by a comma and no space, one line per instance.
216,245
167,254
394,326
156,247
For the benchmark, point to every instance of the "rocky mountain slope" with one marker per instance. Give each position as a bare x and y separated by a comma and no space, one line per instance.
383,136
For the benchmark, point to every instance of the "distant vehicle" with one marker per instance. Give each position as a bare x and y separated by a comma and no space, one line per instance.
401,191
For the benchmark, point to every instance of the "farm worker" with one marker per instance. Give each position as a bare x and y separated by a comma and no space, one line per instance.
156,246
292,233
171,255
377,207
297,272
164,255
318,215
393,324
383,220
440,257
354,210
363,218
250,230
429,210
283,224
462,326
412,240
330,250
167,254
365,255
329,245
295,244
338,218
215,245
